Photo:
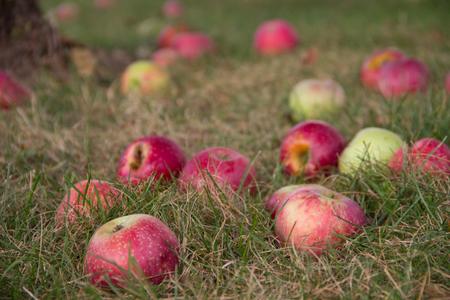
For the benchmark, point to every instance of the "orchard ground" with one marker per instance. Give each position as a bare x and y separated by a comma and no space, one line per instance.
234,98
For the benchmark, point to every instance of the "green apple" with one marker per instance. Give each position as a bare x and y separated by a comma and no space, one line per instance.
372,145
316,99
145,78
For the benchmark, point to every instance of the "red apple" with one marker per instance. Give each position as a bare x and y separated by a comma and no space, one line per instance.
66,12
370,70
104,4
275,37
172,9
192,45
447,83
165,57
427,155
226,167
12,93
311,147
168,33
138,244
401,77
85,198
314,219
150,157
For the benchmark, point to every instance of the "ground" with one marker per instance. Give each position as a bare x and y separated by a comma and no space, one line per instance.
77,129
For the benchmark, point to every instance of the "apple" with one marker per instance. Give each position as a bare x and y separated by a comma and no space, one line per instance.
447,83
150,157
370,145
370,70
279,197
225,167
428,155
192,45
104,4
168,33
172,9
144,78
66,12
314,219
12,92
316,99
165,57
311,147
139,244
85,198
275,37
401,77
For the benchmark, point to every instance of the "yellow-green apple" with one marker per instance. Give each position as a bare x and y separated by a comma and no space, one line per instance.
165,57
279,197
401,77
316,99
427,155
12,92
314,219
172,9
168,33
311,147
86,198
447,83
275,37
370,69
150,157
145,78
138,245
192,45
370,145
225,167
66,12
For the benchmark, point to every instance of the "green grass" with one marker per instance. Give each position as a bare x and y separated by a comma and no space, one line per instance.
78,128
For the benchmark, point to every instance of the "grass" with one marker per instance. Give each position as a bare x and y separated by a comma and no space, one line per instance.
78,128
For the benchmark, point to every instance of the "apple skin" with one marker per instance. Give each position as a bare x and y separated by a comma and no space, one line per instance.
312,219
402,77
12,93
316,99
168,33
226,166
427,155
66,12
275,37
192,45
311,147
447,83
84,198
140,244
370,69
374,145
172,9
150,157
145,78
165,57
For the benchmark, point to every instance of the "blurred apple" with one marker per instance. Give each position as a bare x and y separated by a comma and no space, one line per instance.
447,83
172,9
165,57
145,78
168,33
104,4
192,45
66,12
275,37
370,145
316,99
12,92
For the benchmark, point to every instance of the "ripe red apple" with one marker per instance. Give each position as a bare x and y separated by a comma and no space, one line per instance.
370,70
168,33
313,219
12,93
447,83
192,45
311,147
401,77
138,244
228,168
150,157
86,198
165,57
172,9
104,4
66,12
428,155
275,37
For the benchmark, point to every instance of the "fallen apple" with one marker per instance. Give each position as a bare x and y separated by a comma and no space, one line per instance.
275,37
192,45
172,9
144,78
168,33
12,93
165,57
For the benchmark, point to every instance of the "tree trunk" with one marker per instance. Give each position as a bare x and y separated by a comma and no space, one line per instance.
27,40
